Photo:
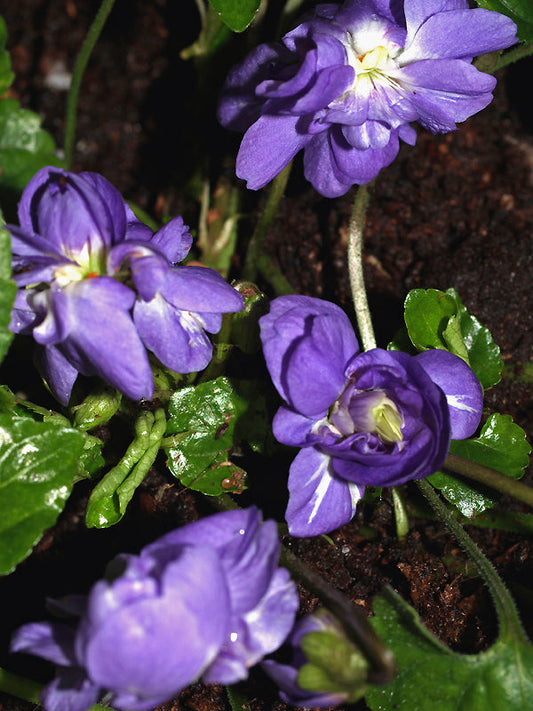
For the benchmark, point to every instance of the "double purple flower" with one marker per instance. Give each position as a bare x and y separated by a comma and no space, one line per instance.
97,287
378,418
206,600
346,83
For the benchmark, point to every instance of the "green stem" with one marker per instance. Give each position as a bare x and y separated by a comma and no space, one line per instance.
355,267
354,622
255,248
77,74
19,686
272,274
489,63
510,627
221,350
400,514
489,477
237,700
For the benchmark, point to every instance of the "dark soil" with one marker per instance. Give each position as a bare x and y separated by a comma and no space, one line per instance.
455,210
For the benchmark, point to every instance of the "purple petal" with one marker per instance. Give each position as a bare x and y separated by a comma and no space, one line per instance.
200,289
307,343
54,642
267,147
461,33
176,337
292,428
321,170
58,372
174,240
71,690
446,91
104,340
264,630
459,383
162,644
319,501
239,107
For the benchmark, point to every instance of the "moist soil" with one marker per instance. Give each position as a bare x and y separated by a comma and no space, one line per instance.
454,211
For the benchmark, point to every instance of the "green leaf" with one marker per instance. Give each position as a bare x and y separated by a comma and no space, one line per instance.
8,291
6,75
520,11
427,313
202,420
236,14
483,354
25,147
38,463
501,445
438,319
431,676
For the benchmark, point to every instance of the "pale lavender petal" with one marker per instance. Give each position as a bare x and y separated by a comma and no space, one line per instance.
321,170
176,337
319,500
199,289
462,33
292,428
459,383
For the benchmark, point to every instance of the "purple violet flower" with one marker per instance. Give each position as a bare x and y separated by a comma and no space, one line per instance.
378,418
347,82
97,287
207,599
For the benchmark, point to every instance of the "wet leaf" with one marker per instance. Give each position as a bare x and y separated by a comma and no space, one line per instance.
202,421
500,678
236,14
6,75
25,147
38,465
501,445
520,11
438,319
8,290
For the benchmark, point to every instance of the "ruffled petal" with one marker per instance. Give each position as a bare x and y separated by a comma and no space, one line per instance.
307,343
71,690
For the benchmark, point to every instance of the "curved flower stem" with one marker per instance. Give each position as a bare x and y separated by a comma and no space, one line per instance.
255,248
489,477
77,74
355,266
272,274
510,627
354,622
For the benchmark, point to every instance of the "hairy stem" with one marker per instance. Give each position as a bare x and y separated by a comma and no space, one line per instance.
489,477
354,622
77,74
355,267
272,274
510,627
255,248
493,62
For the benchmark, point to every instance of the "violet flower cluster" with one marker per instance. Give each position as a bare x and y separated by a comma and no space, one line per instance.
206,600
96,287
378,418
348,81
